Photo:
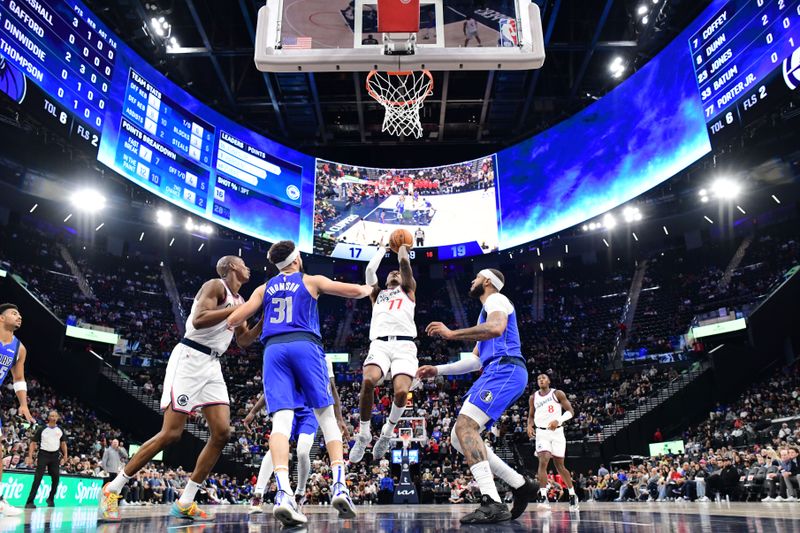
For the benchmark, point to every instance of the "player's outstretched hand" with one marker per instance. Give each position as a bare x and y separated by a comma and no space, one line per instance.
344,430
438,329
531,432
24,411
247,421
427,371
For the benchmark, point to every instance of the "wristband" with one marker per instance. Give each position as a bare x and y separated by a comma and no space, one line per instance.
20,385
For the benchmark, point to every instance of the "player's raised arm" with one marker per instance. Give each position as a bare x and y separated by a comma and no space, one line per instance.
371,273
20,387
324,285
242,312
407,280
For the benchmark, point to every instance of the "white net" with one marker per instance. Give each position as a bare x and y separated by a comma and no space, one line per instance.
402,95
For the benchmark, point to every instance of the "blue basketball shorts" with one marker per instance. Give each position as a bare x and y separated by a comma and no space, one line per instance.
296,375
500,385
305,422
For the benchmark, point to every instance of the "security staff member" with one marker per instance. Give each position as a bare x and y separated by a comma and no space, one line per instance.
50,439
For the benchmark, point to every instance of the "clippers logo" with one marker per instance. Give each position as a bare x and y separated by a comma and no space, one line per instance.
183,400
791,70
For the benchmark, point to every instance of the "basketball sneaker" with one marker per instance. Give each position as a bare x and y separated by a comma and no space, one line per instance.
286,511
359,447
573,502
544,503
382,445
341,501
489,512
255,504
8,510
193,512
522,496
109,505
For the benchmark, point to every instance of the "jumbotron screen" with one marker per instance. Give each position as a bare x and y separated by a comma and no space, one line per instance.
450,211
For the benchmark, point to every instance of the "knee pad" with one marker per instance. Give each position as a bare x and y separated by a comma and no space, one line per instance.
304,443
327,422
282,422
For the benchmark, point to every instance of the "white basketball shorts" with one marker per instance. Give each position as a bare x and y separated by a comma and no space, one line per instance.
193,380
395,357
551,441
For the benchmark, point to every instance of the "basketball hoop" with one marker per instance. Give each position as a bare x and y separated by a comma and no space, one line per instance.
406,440
402,94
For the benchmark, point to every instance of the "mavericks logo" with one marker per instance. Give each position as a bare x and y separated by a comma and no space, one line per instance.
183,400
486,396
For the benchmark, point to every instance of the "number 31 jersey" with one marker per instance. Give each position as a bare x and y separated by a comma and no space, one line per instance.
392,315
289,307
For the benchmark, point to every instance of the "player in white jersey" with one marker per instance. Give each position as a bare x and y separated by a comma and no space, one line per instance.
194,381
471,31
548,410
392,350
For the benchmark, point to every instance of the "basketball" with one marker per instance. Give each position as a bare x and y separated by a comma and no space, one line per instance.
400,237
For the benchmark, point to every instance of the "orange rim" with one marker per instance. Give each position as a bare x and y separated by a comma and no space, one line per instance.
399,103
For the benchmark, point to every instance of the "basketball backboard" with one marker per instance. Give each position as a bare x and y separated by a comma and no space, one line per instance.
342,35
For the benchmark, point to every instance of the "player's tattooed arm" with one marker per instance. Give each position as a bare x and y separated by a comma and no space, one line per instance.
241,313
323,285
407,280
494,327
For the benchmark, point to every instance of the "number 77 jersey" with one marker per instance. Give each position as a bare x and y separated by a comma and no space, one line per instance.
289,307
393,315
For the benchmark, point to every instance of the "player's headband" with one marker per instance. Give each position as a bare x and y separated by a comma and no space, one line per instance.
488,274
289,260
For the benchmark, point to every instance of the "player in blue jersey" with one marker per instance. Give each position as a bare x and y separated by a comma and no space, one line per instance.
504,378
12,359
295,373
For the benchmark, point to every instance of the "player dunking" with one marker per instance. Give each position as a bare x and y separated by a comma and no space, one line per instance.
12,359
194,381
392,350
504,379
548,410
294,370
304,428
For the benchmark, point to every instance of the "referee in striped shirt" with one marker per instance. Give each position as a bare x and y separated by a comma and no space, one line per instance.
50,440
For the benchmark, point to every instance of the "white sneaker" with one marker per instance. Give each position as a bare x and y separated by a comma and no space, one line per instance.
359,447
286,511
7,509
704,499
381,446
790,499
768,499
780,499
341,501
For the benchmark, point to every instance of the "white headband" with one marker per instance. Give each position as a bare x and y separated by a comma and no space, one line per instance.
289,260
488,274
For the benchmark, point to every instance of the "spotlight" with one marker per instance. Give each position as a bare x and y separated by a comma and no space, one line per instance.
631,214
725,189
541,267
645,19
88,200
164,218
617,67
642,10
609,222
585,227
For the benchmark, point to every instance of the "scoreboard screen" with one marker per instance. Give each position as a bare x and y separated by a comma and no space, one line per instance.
66,68
746,56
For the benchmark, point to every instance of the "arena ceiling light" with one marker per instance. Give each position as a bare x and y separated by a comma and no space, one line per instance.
192,226
88,200
725,189
741,209
642,10
609,222
617,67
631,214
776,199
33,208
163,218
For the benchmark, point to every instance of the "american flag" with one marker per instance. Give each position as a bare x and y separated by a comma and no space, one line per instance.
297,43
